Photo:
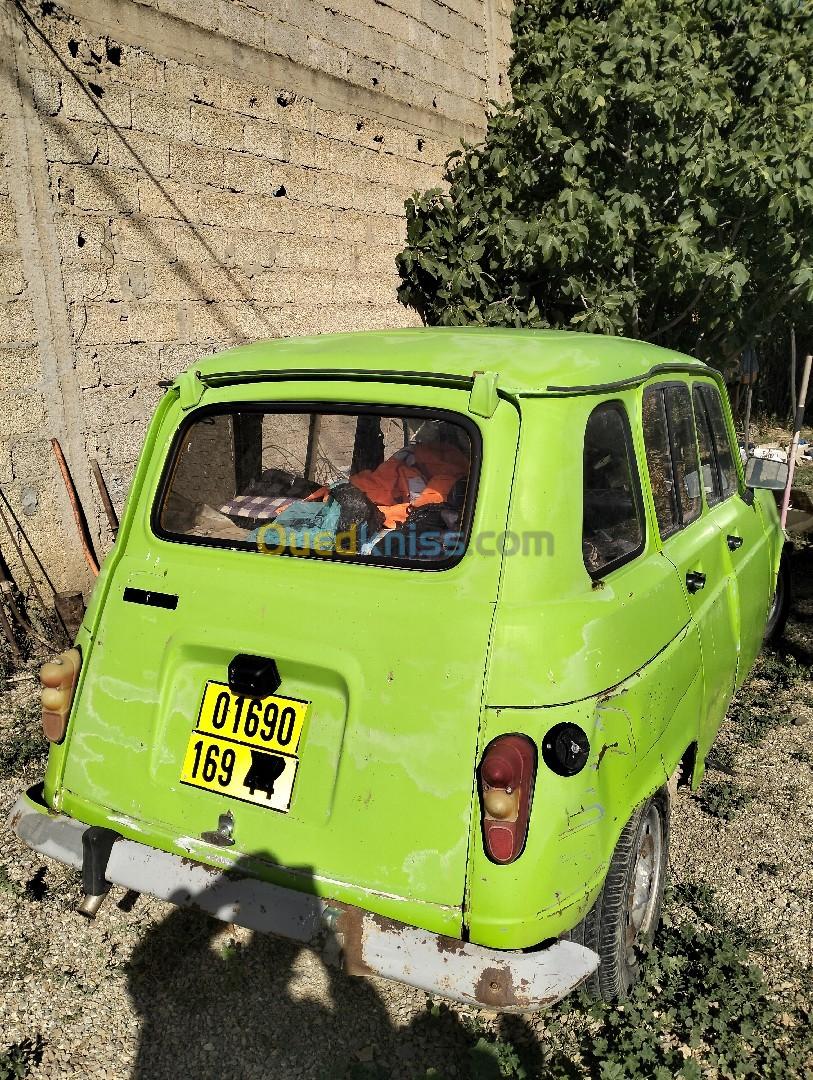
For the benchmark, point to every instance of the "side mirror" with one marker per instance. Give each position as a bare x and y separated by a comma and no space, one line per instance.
764,473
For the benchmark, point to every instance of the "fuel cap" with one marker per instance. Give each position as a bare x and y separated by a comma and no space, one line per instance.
565,749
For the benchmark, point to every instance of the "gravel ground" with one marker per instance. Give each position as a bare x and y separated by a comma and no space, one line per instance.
149,991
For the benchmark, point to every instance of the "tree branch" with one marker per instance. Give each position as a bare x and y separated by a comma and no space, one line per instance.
703,286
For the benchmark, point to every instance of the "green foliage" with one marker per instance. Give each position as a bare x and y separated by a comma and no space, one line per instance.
700,1010
493,1058
650,177
723,799
722,758
7,883
756,710
18,1060
782,672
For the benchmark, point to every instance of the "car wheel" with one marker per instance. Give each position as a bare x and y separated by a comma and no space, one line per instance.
780,605
626,914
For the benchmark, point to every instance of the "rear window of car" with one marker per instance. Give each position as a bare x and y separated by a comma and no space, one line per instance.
373,485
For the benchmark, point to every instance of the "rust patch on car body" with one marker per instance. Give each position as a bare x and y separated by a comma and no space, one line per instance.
349,931
495,987
213,871
449,944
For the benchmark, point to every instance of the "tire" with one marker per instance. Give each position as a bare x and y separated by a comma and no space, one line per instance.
624,919
780,605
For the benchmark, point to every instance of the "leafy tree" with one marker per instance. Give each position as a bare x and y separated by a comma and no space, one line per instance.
651,177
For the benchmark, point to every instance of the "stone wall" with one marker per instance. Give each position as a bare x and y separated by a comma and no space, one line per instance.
182,175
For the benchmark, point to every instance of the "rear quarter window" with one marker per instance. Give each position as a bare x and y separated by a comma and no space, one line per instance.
360,484
685,461
724,452
613,529
659,462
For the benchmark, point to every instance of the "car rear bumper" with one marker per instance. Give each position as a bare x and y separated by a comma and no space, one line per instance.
366,943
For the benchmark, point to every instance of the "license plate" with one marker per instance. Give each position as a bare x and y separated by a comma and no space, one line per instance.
246,748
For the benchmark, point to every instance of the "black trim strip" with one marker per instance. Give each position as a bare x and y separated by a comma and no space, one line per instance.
440,378
169,601
436,378
626,384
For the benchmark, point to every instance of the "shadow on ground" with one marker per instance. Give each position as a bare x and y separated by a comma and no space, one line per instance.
216,1004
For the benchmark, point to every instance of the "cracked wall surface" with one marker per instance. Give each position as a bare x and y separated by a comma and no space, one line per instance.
180,176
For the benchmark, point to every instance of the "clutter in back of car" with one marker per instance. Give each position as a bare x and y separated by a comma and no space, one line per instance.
357,485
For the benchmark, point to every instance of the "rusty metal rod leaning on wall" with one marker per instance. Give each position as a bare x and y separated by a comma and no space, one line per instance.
76,506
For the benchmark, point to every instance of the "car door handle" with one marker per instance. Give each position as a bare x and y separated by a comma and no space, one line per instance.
695,581
733,542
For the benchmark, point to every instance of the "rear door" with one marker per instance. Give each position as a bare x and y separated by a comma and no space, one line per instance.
743,538
386,655
691,540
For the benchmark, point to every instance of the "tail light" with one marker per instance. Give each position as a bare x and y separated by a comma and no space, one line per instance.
59,678
506,779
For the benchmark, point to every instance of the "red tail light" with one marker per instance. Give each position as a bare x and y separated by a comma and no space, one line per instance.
506,784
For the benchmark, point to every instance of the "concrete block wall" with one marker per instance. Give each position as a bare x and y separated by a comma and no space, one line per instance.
181,176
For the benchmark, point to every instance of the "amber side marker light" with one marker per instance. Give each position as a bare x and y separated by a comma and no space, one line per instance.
58,678
506,779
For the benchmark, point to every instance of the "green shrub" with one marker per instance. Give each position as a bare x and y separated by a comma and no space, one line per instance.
17,1061
723,798
782,672
700,1010
722,758
649,177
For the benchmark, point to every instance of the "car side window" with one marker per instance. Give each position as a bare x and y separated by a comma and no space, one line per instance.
659,461
722,441
708,456
613,522
683,441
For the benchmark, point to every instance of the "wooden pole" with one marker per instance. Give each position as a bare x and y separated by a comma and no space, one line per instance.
797,429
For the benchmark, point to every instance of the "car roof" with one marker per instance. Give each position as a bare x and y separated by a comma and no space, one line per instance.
526,361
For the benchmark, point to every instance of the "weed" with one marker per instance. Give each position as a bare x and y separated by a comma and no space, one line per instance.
782,672
700,1009
723,799
722,758
7,884
493,1058
769,869
802,755
17,1060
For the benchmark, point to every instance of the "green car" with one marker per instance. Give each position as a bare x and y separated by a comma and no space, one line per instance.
404,641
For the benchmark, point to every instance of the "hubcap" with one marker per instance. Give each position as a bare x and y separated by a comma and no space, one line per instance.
645,882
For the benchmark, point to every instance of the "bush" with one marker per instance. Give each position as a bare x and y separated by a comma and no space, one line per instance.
649,177
17,1061
723,799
